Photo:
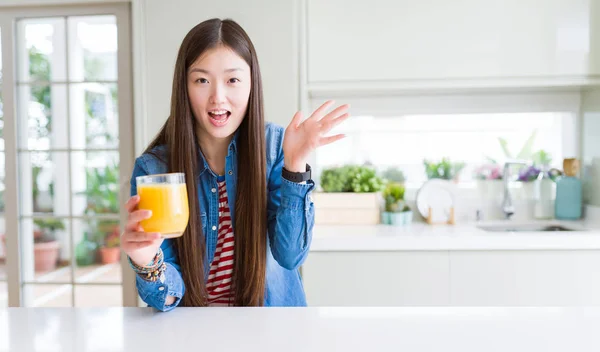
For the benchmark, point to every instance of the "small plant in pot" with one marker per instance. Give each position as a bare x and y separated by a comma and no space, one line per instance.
488,172
394,174
397,212
45,246
348,194
110,252
489,179
444,169
351,179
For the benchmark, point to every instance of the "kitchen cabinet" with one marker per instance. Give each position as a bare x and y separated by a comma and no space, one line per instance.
453,278
524,278
376,278
533,41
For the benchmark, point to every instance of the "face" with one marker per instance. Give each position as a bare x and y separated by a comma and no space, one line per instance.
219,88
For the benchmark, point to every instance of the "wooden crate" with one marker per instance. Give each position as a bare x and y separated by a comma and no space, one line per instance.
347,208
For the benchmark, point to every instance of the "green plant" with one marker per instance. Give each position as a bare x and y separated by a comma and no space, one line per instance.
102,196
365,180
394,174
541,158
444,169
39,70
351,178
335,180
106,233
48,229
102,191
393,194
113,240
526,150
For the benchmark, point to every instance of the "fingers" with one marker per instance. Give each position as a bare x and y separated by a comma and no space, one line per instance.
336,113
330,139
139,215
140,245
132,203
317,114
329,124
296,119
140,237
133,222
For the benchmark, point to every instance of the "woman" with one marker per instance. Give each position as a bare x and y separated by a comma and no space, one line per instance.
251,223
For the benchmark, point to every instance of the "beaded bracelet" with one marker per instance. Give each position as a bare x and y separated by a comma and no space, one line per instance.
158,274
153,265
154,270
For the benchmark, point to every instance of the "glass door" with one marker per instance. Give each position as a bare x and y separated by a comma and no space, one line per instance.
70,136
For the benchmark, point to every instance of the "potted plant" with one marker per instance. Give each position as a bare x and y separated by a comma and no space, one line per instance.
45,246
489,180
110,252
85,251
396,212
348,195
394,174
527,176
444,169
102,196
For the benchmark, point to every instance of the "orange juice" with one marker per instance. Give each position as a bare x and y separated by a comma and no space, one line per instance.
169,205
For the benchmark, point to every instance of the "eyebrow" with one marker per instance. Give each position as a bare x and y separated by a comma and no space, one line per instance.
201,70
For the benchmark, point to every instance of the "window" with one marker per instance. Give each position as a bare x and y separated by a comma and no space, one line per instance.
473,139
392,133
68,96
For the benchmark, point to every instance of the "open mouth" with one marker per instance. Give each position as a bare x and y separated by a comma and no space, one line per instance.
219,117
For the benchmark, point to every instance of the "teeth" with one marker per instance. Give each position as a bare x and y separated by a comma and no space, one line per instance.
219,112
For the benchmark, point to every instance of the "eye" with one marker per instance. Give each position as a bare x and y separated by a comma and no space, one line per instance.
233,80
201,80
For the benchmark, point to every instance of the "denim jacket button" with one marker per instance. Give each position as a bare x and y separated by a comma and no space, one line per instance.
162,288
214,228
214,190
230,172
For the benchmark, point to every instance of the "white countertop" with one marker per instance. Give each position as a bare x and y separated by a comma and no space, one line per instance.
516,329
424,237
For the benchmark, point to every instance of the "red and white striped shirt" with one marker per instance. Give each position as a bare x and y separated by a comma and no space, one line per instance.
221,268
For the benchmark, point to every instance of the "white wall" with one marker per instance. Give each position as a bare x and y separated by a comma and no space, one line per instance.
590,140
591,124
272,26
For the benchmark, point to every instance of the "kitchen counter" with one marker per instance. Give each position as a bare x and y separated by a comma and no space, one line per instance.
301,329
424,237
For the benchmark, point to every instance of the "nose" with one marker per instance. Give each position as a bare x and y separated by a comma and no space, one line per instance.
218,94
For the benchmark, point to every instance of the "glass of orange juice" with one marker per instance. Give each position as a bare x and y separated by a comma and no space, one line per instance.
166,196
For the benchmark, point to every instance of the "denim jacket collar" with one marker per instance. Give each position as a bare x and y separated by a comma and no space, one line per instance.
232,148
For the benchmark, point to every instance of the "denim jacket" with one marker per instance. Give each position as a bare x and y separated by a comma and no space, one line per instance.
290,225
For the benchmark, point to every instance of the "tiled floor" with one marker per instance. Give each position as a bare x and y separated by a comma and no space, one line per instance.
60,295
